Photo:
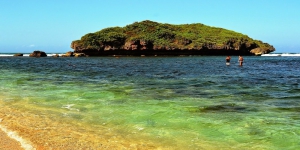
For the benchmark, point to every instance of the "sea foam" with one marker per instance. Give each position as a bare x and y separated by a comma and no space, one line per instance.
24,143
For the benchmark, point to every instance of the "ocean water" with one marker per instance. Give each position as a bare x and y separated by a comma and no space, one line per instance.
161,102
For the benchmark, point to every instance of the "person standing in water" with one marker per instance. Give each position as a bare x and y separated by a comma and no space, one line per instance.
228,60
241,60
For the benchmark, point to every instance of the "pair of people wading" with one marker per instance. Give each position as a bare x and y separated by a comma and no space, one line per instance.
241,60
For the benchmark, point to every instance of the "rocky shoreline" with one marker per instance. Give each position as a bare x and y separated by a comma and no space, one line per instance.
38,53
114,53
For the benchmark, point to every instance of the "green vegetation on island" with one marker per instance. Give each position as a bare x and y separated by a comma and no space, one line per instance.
152,36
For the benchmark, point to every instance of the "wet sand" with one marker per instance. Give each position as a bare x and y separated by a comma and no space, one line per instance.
6,143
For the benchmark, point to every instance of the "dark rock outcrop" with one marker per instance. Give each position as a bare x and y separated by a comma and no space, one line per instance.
18,54
38,54
68,54
79,55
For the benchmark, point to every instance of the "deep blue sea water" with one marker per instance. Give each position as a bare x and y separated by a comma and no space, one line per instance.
193,102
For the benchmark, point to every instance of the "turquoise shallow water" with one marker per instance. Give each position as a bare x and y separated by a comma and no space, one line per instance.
186,100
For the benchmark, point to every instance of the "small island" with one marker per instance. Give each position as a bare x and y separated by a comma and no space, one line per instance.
148,38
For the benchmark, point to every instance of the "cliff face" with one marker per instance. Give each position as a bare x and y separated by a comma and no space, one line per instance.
151,38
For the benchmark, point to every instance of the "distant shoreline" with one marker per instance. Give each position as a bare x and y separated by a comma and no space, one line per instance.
26,54
60,54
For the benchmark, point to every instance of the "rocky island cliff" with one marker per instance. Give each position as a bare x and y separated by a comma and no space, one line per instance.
152,38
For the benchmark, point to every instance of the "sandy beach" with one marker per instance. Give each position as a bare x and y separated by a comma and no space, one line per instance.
41,132
44,132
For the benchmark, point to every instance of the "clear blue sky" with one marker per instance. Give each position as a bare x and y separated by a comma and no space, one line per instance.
51,25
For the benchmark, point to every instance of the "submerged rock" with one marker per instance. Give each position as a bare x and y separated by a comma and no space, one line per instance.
224,108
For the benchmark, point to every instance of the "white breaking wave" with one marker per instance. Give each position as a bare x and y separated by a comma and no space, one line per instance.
27,55
24,144
6,55
287,54
69,107
282,54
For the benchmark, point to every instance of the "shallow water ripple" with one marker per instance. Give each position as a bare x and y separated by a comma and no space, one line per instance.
192,101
